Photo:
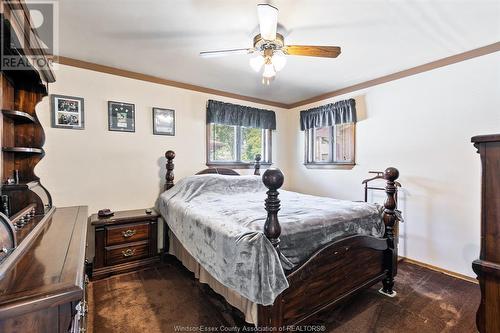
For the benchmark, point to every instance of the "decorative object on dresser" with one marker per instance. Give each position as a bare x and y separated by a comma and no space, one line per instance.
487,267
67,112
106,212
163,121
121,117
332,273
123,242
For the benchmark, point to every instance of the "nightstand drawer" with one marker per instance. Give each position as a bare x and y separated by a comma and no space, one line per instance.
127,233
124,253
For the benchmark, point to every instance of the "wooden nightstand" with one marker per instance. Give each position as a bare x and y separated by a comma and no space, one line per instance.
123,242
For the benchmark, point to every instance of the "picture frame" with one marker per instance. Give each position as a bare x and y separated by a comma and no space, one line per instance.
121,116
67,112
163,121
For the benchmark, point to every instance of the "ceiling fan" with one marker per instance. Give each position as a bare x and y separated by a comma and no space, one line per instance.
270,47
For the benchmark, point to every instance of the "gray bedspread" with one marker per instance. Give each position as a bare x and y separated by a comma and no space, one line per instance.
219,220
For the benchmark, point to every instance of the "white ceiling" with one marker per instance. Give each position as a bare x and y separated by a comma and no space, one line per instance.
378,37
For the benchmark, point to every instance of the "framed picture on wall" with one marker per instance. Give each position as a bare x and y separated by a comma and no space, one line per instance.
67,112
121,117
163,121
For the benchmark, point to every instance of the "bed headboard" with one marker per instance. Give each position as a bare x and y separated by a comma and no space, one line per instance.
219,171
170,155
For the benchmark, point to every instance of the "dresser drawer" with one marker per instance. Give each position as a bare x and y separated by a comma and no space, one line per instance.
124,253
127,233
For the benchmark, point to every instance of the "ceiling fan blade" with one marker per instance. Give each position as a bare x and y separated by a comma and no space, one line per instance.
268,21
221,53
312,51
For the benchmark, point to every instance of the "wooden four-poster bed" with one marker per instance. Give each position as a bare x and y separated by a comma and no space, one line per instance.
332,274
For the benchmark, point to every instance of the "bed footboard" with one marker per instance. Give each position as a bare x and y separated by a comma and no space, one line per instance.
331,275
335,272
390,220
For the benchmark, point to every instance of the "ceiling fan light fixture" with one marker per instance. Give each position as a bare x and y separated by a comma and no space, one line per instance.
267,80
270,48
279,60
257,62
269,71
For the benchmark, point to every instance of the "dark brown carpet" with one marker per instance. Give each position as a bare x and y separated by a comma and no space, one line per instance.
161,298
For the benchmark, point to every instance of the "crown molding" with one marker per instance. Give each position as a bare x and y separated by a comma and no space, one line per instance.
495,47
149,78
492,48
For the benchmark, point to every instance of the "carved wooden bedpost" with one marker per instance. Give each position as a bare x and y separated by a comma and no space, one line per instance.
390,219
256,172
273,179
170,155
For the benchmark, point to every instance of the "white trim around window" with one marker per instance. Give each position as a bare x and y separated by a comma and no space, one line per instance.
236,160
336,150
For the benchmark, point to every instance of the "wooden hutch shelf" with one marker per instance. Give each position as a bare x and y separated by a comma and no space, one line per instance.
19,116
24,150
21,186
42,249
24,201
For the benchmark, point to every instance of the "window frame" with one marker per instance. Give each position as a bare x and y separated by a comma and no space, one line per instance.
238,164
309,146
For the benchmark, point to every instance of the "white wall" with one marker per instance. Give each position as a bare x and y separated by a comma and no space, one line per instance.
115,170
422,125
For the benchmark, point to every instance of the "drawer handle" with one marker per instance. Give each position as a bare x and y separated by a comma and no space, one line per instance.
129,233
84,308
128,252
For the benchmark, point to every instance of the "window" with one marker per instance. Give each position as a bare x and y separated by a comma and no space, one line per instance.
237,133
330,146
237,145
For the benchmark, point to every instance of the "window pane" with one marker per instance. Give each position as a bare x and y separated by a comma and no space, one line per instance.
344,143
222,142
251,143
322,138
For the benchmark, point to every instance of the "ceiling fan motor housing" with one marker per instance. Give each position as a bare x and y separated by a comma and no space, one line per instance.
261,44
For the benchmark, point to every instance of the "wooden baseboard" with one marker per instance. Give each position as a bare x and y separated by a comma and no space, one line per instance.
439,269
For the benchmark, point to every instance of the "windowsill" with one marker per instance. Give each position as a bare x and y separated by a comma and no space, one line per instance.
237,165
339,166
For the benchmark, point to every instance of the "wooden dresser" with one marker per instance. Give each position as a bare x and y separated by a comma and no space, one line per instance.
487,267
123,242
44,291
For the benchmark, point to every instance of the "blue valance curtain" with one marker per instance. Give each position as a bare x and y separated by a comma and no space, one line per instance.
328,115
239,115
